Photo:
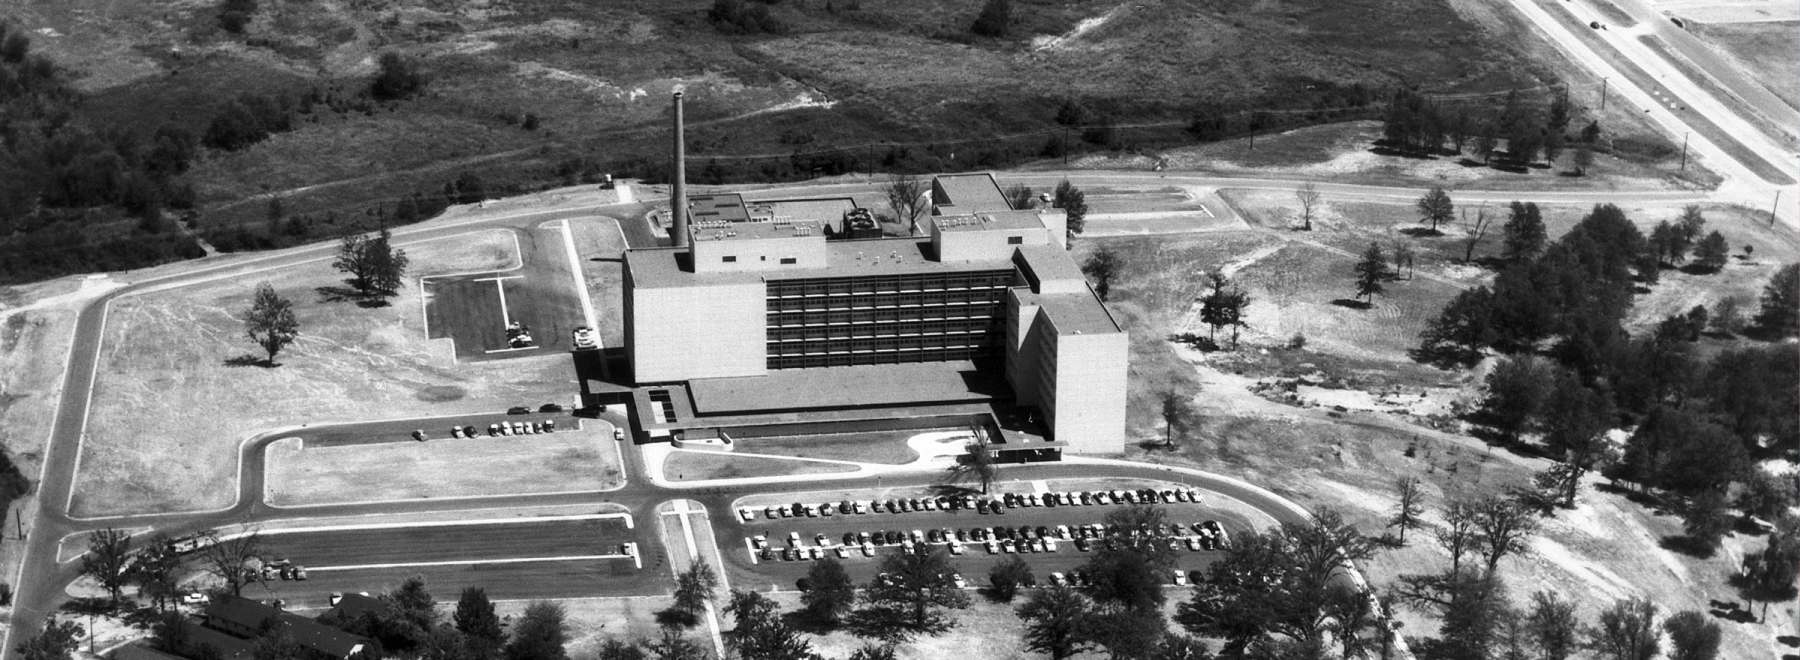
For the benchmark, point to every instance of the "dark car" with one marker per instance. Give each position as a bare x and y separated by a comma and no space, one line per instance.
518,410
550,408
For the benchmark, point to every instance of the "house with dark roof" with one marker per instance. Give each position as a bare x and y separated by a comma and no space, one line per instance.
246,620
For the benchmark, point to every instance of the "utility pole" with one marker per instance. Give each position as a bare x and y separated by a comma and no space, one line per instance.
1684,141
1774,207
1603,92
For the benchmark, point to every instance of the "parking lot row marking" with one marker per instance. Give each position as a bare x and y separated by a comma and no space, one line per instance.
446,523
496,278
464,562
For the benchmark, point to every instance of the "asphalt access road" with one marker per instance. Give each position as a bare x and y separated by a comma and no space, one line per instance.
444,543
504,581
974,562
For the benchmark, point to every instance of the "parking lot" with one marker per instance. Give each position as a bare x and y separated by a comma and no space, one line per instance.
532,420
474,310
1055,532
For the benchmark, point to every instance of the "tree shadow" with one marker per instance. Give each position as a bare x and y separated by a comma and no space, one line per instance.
1688,545
1789,640
1636,497
805,622
1470,162
338,294
1421,232
248,360
1352,303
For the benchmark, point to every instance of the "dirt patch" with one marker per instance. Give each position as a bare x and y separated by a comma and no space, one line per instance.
568,461
166,387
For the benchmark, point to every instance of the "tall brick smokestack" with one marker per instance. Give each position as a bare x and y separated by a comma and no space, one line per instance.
678,189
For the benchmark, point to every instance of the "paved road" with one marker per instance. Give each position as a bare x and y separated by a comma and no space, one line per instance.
41,578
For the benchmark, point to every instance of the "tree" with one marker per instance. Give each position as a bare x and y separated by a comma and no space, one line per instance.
1553,626
1691,222
58,641
1436,208
1576,420
1020,196
613,649
480,627
904,195
1102,267
1768,576
1477,231
374,266
1055,619
1459,534
1308,196
759,633
1403,258
1177,414
1223,306
1370,273
875,652
234,15
977,463
539,633
911,591
1705,520
1007,577
829,592
398,78
1281,582
1126,632
1461,331
1503,526
1584,158
1693,636
270,321
1780,313
1517,390
158,570
225,557
1712,252
1073,202
994,19
670,644
695,587
1626,631
107,560
1411,506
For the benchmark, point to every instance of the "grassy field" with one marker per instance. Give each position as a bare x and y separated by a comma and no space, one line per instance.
704,465
167,386
600,245
298,476
1758,48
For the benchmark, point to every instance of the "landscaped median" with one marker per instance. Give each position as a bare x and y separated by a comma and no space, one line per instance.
170,406
584,460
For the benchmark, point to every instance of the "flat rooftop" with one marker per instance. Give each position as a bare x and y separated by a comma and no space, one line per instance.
660,268
1073,313
989,221
829,210
880,385
722,207
972,193
718,230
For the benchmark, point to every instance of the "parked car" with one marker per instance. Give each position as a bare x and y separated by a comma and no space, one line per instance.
550,408
582,337
419,435
455,432
518,410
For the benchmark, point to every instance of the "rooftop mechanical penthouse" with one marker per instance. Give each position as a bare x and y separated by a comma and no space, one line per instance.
752,297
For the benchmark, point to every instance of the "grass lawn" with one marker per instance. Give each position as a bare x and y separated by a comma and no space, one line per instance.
591,621
702,465
1757,48
873,447
575,461
167,386
600,245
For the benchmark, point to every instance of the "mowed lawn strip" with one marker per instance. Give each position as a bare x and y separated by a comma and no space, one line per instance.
704,465
579,461
887,447
166,390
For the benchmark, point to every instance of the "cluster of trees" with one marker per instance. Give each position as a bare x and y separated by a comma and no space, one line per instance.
235,15
1670,243
399,78
745,17
1417,125
376,268
994,20
249,119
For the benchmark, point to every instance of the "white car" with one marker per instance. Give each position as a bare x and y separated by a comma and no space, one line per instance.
583,338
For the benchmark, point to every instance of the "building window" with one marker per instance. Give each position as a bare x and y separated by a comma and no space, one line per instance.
730,259
789,260
1015,240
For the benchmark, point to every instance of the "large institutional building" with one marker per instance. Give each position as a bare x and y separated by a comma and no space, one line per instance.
755,302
